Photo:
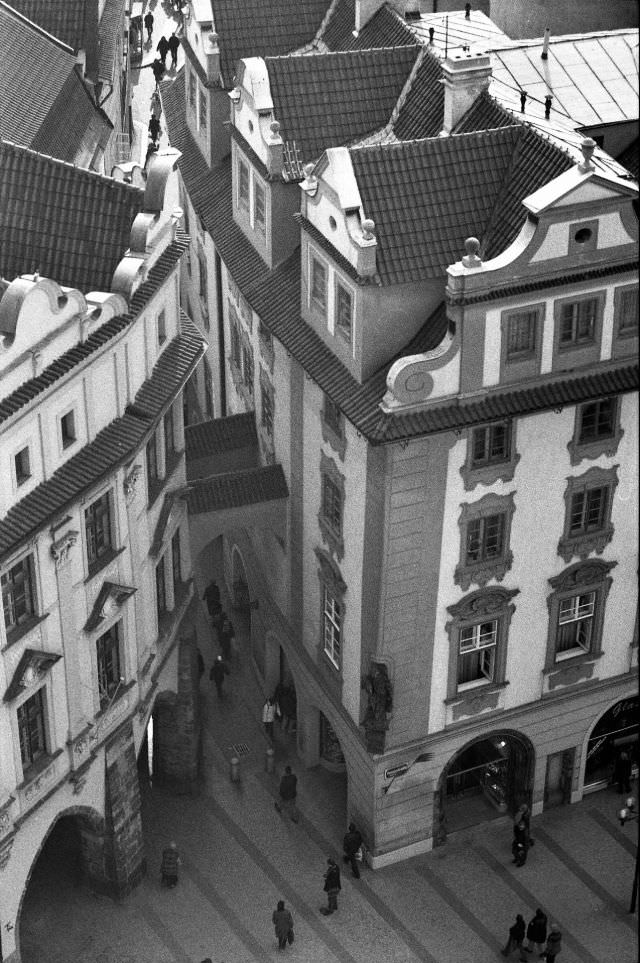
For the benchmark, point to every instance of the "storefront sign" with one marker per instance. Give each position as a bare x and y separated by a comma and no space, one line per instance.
396,771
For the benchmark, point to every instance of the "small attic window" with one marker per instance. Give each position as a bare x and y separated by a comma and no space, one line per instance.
332,223
583,235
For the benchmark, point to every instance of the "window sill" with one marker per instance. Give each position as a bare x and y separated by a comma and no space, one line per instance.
122,691
577,668
578,451
488,474
335,440
19,633
482,689
33,771
583,545
102,562
333,540
565,660
482,572
475,701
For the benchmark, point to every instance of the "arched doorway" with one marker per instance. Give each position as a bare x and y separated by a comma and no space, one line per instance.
485,779
614,732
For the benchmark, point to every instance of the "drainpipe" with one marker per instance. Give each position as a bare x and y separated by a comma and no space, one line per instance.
221,351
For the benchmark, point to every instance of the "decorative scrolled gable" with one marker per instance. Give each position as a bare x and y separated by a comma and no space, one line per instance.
582,574
30,669
110,598
484,602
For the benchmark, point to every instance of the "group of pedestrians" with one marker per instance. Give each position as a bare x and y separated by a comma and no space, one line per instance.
281,706
546,942
225,633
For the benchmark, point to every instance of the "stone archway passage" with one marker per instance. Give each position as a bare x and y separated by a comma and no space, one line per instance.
485,779
615,731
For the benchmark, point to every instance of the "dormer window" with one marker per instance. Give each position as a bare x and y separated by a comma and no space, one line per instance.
318,287
344,312
243,185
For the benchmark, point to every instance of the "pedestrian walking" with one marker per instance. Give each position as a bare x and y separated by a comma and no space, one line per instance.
156,108
154,128
217,620
287,703
169,866
283,923
151,150
212,593
174,45
268,718
331,887
521,843
622,772
288,793
163,49
158,70
148,23
217,673
225,634
554,944
516,936
352,846
536,934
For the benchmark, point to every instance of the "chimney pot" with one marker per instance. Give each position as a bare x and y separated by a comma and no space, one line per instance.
467,11
471,259
523,100
368,227
431,33
547,106
545,44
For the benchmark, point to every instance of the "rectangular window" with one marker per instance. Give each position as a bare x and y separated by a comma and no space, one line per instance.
192,89
332,504
266,392
202,275
31,729
18,594
236,355
203,113
319,286
575,623
208,389
485,538
477,652
68,429
176,562
152,465
108,653
169,433
247,367
578,322
333,416
344,312
521,334
332,627
162,328
490,444
22,464
628,312
588,510
259,207
161,590
597,420
97,524
243,185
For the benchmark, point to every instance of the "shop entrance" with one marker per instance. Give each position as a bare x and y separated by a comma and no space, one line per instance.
614,733
486,779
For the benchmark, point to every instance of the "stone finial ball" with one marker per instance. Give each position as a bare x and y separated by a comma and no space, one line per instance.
472,246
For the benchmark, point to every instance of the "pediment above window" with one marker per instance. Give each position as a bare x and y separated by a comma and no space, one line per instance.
581,574
31,668
110,599
485,602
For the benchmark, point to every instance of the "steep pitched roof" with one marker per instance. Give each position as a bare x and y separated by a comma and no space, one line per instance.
110,29
68,223
332,99
75,128
64,19
247,28
385,29
421,115
630,158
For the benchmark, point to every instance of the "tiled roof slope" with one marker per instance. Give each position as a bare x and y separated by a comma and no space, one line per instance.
111,27
12,403
74,129
269,28
64,19
334,98
109,449
221,434
70,224
427,196
421,115
630,158
384,29
237,488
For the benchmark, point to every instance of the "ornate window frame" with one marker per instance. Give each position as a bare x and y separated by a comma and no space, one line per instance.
524,364
604,445
483,605
580,578
490,471
330,579
585,542
320,310
484,570
625,340
28,561
574,355
333,538
332,434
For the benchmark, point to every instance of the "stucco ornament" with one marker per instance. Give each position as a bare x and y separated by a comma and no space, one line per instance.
62,546
377,685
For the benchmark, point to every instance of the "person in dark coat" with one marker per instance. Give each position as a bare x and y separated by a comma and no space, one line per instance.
200,664
154,128
163,50
212,598
516,936
622,772
226,633
283,922
217,673
331,886
169,866
148,23
351,844
158,70
554,943
288,704
217,620
536,934
288,793
173,44
520,845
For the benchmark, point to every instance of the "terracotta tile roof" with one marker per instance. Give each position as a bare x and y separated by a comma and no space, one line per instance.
248,28
221,434
12,403
114,445
75,129
110,29
630,158
335,98
421,115
385,29
237,488
64,19
70,224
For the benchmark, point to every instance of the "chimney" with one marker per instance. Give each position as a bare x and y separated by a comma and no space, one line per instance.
212,52
465,76
81,60
545,44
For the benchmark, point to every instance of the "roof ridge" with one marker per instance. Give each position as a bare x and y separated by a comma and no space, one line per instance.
12,12
57,162
354,51
402,144
568,37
